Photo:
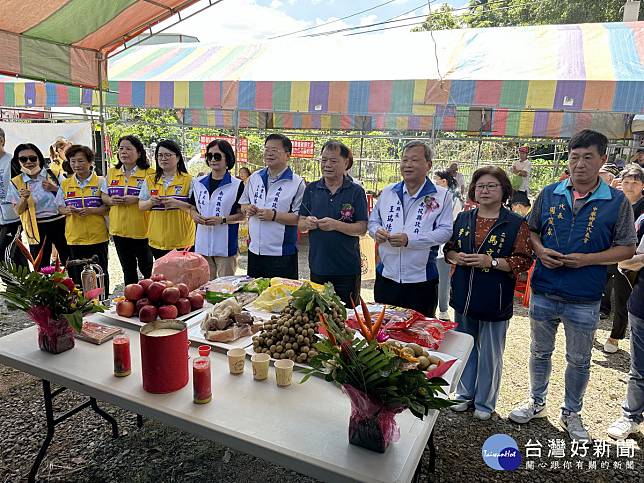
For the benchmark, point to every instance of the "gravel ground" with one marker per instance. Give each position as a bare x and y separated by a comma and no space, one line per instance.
83,449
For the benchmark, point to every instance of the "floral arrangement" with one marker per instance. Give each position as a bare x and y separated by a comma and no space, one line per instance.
380,380
51,299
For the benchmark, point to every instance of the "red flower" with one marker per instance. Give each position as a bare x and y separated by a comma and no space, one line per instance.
69,283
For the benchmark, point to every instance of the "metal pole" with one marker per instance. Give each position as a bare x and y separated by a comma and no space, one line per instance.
361,154
236,114
101,111
183,131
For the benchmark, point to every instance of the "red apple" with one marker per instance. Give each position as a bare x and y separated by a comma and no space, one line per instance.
184,289
125,308
170,295
145,283
183,306
168,312
142,303
196,300
155,290
157,277
134,292
148,313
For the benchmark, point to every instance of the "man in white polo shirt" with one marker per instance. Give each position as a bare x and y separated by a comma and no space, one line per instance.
271,200
410,220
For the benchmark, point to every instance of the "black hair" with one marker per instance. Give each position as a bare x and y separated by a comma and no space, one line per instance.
225,147
74,149
345,152
170,145
286,142
246,169
15,164
447,176
588,138
142,161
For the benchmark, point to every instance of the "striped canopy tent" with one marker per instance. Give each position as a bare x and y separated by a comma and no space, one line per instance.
63,41
541,81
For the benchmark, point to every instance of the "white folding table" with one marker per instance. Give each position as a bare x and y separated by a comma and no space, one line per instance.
303,427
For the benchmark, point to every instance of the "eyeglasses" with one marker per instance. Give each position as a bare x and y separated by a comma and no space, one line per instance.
165,155
215,156
489,186
24,159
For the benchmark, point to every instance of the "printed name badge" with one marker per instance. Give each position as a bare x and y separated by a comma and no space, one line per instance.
76,203
118,191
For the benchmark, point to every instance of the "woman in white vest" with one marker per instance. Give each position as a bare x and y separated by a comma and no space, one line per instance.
216,210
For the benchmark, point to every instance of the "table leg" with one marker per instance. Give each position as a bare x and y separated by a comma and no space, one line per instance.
432,459
52,422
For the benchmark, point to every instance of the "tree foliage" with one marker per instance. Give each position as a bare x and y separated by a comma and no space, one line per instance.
508,13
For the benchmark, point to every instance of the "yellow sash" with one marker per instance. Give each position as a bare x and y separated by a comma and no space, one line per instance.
28,217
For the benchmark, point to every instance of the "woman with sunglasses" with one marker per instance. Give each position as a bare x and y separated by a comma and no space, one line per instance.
166,194
128,224
490,246
216,210
79,199
33,191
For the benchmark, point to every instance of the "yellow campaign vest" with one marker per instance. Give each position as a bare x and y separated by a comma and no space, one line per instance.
171,228
89,229
128,221
28,217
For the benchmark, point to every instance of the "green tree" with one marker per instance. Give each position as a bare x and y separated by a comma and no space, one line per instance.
442,18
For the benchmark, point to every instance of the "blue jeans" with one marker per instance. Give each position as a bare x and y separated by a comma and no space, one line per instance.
443,284
580,322
634,405
481,379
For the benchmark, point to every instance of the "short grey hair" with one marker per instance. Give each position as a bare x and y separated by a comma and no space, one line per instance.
2,135
429,153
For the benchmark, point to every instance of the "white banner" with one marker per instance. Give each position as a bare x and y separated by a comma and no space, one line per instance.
44,135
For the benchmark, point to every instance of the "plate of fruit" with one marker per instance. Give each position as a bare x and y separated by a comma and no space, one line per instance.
156,298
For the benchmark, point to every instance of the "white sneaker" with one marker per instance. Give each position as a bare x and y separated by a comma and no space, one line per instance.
622,428
482,415
461,407
572,423
527,412
610,348
443,315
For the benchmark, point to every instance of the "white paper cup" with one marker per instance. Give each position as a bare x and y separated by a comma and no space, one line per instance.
284,372
260,366
236,360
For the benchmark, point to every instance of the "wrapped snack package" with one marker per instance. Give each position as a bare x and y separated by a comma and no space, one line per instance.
276,297
183,267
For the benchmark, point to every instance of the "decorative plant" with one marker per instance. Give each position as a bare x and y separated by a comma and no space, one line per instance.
47,295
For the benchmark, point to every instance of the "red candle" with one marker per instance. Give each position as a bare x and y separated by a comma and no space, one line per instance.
202,389
122,360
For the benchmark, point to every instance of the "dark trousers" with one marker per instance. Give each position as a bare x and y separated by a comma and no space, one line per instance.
88,251
51,233
269,266
133,252
621,288
7,234
346,286
606,304
421,297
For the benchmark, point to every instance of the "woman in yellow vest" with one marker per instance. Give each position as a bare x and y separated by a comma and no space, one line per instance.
128,224
79,199
32,191
166,194
58,163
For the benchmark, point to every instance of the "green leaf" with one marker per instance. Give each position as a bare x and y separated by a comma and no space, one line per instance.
75,319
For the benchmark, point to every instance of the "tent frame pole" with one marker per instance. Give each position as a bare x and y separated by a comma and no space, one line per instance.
236,114
101,111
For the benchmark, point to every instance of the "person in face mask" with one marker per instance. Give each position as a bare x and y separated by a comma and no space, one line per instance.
33,193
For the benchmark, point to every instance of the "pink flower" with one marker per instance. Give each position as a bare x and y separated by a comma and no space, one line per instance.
69,283
382,335
48,270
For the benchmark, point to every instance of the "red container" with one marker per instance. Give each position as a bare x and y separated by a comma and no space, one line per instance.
201,380
122,361
164,356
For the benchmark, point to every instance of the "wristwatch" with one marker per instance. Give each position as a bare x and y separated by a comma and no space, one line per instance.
494,263
223,220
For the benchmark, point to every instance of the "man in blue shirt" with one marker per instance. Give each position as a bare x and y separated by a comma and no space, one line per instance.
579,226
334,212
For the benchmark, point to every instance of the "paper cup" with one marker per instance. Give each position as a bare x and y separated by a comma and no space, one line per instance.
260,366
284,372
236,359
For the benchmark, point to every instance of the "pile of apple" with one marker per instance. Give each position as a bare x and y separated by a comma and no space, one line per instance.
157,297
